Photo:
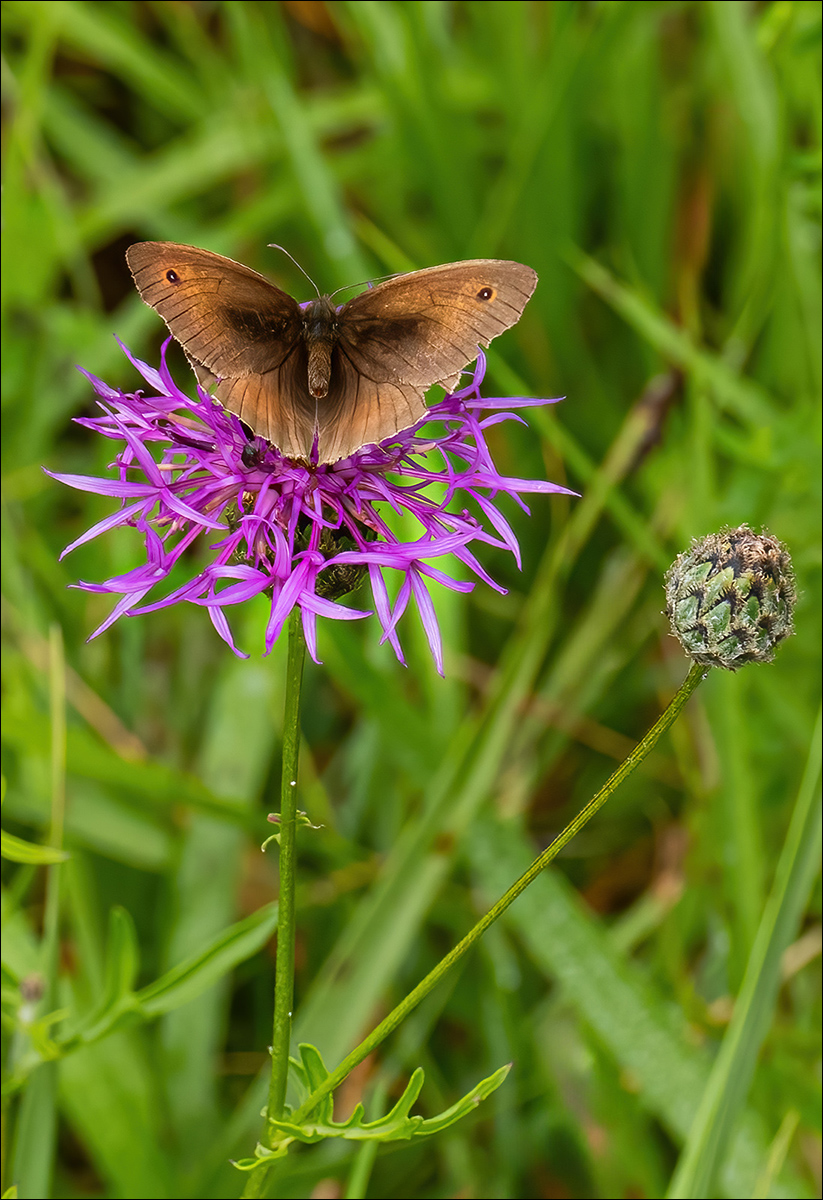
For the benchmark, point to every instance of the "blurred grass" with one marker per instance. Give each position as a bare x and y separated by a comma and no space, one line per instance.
659,166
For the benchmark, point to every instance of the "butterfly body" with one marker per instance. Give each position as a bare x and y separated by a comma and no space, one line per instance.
315,378
320,332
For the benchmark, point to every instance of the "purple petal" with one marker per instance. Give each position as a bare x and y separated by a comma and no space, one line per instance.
510,402
150,375
218,620
284,601
309,622
102,487
456,585
119,609
121,517
429,618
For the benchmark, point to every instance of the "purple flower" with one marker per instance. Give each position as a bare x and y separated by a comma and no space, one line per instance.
302,533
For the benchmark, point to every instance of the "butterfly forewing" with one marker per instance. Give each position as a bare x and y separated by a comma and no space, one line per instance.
423,328
225,315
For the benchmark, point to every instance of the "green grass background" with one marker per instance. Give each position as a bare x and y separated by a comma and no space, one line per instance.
658,164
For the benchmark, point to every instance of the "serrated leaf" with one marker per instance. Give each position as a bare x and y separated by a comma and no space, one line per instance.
312,1072
402,1108
263,1156
396,1125
465,1106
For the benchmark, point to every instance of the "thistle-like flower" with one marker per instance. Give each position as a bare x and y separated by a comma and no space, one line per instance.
303,533
730,597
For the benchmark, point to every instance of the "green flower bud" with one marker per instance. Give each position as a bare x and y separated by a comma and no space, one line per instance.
730,596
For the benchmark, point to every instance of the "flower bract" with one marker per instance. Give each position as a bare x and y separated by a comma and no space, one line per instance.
730,597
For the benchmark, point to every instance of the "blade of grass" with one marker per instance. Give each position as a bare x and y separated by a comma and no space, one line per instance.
650,1040
118,46
725,1093
36,1133
260,42
742,855
112,1098
741,396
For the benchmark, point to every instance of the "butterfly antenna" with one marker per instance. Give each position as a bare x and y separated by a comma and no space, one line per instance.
369,283
274,246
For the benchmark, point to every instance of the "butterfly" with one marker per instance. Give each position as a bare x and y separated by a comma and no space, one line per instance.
314,377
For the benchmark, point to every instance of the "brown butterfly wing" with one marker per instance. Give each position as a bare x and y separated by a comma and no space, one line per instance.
276,404
358,410
423,328
237,328
244,337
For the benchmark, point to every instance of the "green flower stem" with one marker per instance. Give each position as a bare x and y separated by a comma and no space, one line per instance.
284,958
284,962
391,1022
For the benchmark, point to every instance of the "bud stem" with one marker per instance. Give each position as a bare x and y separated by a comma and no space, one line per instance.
390,1023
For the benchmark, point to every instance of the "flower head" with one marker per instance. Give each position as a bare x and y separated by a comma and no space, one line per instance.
730,597
303,533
